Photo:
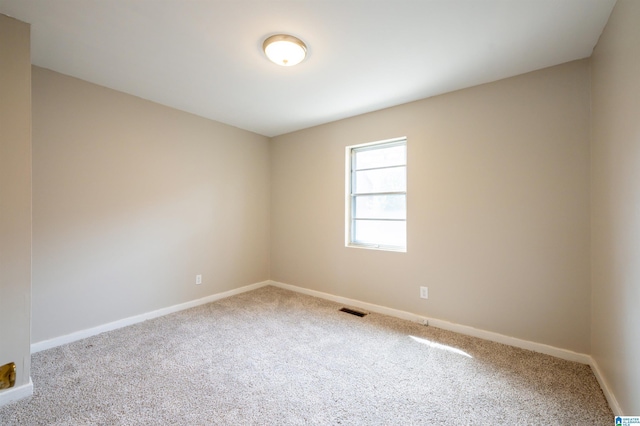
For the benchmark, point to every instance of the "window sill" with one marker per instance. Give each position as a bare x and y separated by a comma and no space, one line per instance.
377,247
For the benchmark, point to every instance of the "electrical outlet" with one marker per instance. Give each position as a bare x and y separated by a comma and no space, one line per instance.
424,292
198,279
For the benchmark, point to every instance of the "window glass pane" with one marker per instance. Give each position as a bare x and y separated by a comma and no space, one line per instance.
367,158
377,184
380,180
387,233
380,207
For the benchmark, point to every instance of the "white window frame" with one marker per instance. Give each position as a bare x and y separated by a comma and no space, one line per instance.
350,196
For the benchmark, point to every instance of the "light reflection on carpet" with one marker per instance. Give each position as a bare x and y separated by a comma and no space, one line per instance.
440,346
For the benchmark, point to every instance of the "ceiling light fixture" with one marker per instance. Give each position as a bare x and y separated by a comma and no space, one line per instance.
285,50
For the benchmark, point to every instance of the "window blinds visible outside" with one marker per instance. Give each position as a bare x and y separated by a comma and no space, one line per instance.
379,195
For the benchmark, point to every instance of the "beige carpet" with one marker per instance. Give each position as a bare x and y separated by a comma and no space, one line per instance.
274,357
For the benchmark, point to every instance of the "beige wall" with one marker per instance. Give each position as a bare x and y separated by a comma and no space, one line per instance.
616,204
498,208
133,199
15,196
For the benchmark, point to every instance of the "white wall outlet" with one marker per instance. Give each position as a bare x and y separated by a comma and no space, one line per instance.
424,292
198,279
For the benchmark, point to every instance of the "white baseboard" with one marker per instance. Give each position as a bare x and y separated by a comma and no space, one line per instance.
512,341
604,385
350,302
14,394
82,334
471,331
23,391
458,328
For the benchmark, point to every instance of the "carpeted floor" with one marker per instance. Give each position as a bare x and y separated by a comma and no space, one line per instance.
274,357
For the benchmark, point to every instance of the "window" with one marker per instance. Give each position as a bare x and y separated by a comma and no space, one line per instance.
376,186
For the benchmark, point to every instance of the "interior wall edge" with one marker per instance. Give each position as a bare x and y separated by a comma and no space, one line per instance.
606,389
474,332
565,354
17,393
83,334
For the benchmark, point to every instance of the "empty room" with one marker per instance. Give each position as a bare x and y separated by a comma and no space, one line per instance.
319,212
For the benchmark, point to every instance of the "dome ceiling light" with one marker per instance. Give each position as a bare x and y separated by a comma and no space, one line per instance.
285,50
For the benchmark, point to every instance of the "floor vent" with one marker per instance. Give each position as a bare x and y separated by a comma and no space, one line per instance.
352,312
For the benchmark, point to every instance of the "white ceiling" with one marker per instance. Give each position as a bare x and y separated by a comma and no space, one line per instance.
205,57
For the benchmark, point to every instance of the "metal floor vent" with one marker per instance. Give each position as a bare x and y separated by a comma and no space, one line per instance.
352,312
